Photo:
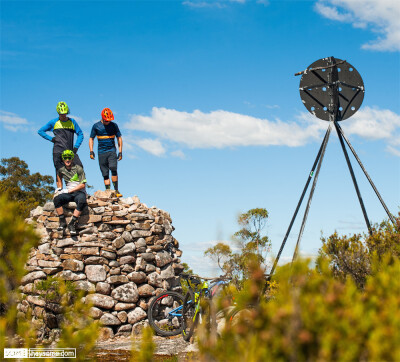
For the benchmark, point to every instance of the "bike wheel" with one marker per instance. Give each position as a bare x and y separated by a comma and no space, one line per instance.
190,318
165,313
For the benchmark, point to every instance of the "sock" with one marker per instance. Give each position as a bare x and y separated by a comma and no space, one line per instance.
108,187
74,219
62,218
115,183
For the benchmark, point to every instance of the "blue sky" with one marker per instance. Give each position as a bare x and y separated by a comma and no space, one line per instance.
205,95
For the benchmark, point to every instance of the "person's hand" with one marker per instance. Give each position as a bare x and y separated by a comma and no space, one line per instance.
92,155
75,150
64,191
120,156
58,189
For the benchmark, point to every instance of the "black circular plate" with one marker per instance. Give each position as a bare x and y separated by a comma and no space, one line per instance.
315,91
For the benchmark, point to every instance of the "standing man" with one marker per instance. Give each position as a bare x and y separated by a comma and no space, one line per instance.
75,181
63,129
106,131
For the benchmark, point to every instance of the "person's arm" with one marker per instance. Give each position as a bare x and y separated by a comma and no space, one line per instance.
119,148
47,127
119,139
79,133
91,142
77,188
59,181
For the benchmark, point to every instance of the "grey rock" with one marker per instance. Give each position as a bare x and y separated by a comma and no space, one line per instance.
127,249
69,275
124,330
140,243
122,316
72,264
104,227
65,242
48,206
108,254
137,277
126,268
98,210
163,258
140,233
100,300
95,312
127,293
136,315
95,273
114,264
107,235
103,288
127,236
118,242
89,230
127,201
36,212
45,248
29,278
150,268
146,290
115,271
108,319
118,279
105,334
149,257
155,280
95,260
124,306
84,285
167,272
128,259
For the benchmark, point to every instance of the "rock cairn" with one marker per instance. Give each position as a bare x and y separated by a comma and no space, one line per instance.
124,254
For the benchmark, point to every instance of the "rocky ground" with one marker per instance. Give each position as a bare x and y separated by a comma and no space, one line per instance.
119,349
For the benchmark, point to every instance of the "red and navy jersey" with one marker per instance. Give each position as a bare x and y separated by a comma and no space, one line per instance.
63,134
105,135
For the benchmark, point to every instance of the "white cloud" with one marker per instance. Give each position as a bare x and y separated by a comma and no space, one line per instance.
13,122
179,154
393,151
382,16
152,146
374,124
219,129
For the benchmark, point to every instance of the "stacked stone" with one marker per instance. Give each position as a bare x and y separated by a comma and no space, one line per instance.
124,254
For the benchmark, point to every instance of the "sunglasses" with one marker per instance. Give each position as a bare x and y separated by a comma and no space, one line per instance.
68,158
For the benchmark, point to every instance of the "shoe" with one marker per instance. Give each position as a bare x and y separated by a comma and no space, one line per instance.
118,194
72,228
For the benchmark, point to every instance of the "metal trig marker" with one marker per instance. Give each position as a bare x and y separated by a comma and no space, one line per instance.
332,90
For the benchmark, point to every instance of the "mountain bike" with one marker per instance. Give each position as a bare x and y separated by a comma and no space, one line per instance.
197,304
165,310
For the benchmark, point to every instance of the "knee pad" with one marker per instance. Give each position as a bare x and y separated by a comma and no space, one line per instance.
114,173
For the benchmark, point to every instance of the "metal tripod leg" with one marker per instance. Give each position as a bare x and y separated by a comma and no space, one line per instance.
311,194
366,175
353,177
300,201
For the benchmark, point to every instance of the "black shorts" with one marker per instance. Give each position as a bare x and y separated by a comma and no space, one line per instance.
107,162
78,197
58,162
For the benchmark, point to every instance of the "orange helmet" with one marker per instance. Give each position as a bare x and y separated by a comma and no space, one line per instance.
107,115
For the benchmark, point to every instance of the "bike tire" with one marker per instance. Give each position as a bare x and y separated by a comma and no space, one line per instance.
189,321
163,313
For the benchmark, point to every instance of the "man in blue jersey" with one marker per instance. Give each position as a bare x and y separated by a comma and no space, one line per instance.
106,131
63,129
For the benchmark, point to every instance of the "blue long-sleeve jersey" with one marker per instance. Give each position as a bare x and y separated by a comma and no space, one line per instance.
63,134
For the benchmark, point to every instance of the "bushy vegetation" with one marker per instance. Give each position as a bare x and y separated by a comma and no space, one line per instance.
335,311
252,246
28,190
77,329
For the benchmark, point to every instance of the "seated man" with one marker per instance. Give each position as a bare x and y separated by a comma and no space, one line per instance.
75,179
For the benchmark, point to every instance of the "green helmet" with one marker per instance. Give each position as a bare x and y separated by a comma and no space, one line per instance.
67,154
62,108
